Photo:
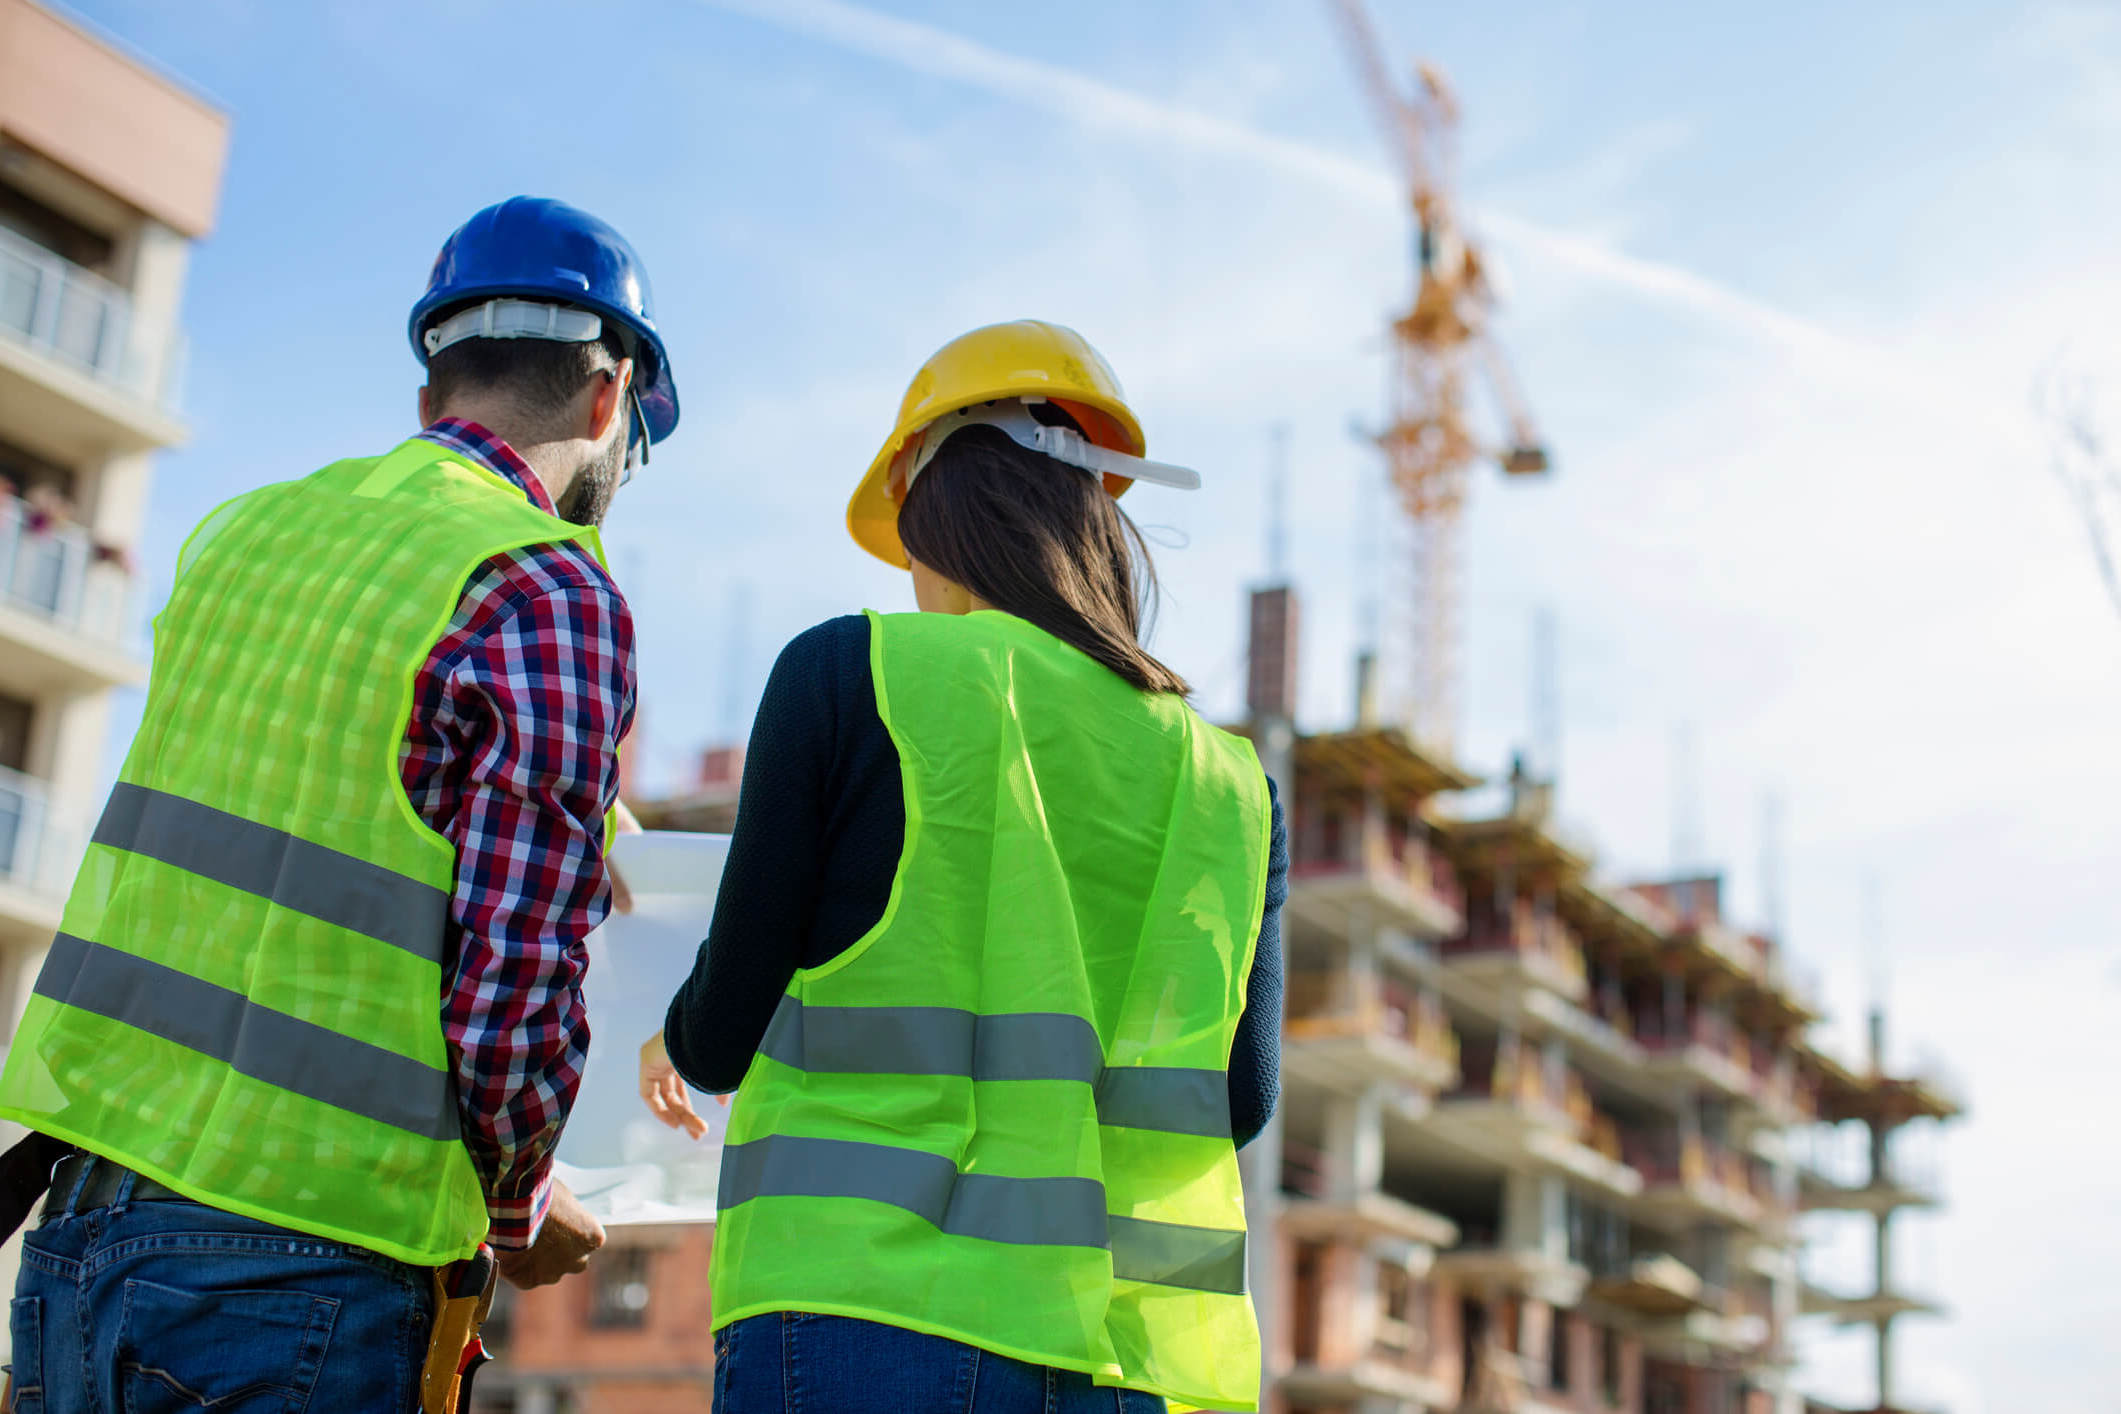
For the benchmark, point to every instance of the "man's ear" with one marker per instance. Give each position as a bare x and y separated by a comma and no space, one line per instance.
427,410
607,399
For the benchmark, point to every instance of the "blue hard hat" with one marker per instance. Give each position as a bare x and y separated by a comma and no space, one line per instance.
536,248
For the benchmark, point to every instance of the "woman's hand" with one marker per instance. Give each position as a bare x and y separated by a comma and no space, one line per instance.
664,1089
624,824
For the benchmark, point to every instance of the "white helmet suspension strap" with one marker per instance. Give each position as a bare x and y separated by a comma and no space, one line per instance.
514,319
1012,417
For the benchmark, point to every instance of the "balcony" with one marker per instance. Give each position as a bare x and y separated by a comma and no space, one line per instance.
1532,1273
1704,1047
63,613
1360,1329
1309,1209
1344,1031
1819,1297
1525,950
1779,1092
1693,1180
1512,1107
1653,1284
1834,1173
1364,1380
38,855
75,362
1359,862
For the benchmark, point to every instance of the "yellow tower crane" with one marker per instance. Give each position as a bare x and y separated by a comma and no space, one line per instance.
1440,346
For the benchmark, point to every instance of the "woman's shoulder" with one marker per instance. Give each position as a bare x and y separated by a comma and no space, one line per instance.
830,641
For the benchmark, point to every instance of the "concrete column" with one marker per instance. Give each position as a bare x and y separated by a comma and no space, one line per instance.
74,766
1355,1144
114,497
536,1399
1535,1216
1885,1363
159,260
1361,979
1259,1168
1554,1070
1259,1163
1884,1256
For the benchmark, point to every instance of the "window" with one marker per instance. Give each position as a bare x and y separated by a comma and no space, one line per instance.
15,715
22,470
1609,1371
1403,1305
1558,1334
619,1294
54,230
1663,1390
1392,1302
1307,1310
1394,1287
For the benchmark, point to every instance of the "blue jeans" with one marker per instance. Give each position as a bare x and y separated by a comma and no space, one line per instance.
796,1363
171,1308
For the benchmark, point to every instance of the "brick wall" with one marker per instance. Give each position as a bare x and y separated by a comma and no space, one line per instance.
583,1334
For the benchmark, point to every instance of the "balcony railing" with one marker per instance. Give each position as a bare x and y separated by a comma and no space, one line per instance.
80,319
1709,1032
1546,941
1703,1167
1323,1003
1366,844
54,574
1518,1076
37,852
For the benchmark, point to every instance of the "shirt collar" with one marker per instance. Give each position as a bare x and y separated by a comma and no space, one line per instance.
468,439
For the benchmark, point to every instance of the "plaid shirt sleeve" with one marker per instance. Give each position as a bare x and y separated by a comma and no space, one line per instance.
512,754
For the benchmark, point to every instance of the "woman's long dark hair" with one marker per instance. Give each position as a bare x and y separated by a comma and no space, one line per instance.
1041,540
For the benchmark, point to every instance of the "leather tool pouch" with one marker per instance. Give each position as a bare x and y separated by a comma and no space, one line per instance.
463,1296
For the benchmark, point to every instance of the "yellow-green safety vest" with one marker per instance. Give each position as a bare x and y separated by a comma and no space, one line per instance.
244,998
1002,1115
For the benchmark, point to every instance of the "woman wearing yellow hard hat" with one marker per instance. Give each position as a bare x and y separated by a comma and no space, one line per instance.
995,968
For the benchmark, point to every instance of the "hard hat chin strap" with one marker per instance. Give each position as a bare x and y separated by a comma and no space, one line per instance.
1012,417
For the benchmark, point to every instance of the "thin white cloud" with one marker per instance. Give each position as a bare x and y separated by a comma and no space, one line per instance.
1100,106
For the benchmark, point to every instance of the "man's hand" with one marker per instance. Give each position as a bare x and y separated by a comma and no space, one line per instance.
664,1089
563,1247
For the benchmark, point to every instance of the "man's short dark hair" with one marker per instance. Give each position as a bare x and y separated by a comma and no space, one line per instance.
540,376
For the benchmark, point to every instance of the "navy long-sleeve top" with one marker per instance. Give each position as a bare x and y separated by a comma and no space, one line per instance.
820,827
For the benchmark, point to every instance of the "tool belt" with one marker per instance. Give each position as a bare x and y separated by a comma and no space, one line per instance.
41,1167
463,1296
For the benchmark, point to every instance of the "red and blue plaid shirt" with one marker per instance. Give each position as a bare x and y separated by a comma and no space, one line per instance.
512,754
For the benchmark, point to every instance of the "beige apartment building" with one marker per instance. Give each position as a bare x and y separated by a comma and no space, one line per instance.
108,172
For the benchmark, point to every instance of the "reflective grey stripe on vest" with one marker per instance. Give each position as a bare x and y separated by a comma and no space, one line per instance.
1044,1212
268,1046
1062,1212
1172,1254
864,1040
337,888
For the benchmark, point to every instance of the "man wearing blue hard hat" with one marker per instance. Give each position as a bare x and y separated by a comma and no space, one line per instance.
299,1058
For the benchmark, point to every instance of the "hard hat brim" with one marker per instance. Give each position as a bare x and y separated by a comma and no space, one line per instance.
872,516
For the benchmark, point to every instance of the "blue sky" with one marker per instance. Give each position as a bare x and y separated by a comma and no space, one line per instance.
1782,277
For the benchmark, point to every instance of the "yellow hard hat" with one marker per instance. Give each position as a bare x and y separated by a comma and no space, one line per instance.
1027,358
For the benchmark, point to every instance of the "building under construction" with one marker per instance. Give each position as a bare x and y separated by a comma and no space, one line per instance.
1543,1142
1542,1137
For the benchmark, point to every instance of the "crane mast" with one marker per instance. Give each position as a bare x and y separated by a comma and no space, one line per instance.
1440,346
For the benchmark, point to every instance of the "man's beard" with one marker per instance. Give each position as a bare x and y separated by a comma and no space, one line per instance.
594,485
